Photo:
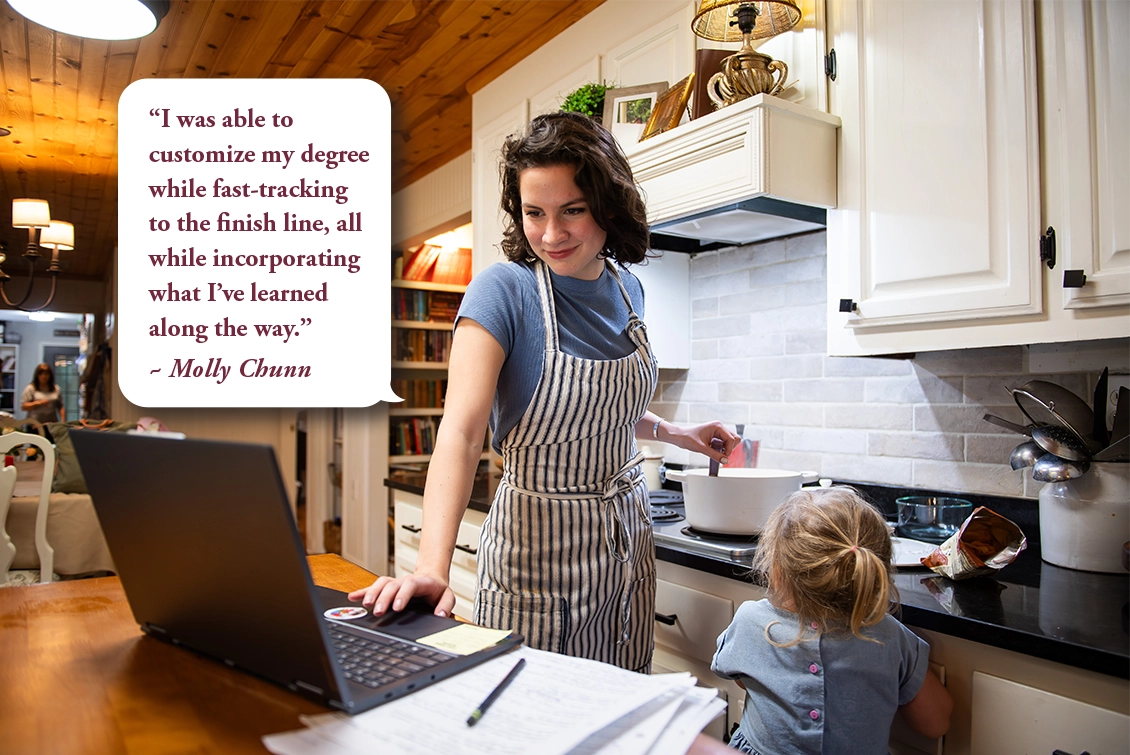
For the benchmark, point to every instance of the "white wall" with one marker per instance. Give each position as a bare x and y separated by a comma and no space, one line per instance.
33,336
758,357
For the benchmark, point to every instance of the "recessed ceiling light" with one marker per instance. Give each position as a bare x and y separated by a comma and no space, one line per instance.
107,19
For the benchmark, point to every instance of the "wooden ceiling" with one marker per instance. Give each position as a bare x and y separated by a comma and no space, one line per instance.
61,92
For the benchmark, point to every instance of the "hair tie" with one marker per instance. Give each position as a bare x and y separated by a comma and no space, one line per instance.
853,548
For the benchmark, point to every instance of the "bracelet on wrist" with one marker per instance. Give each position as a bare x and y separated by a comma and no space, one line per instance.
655,428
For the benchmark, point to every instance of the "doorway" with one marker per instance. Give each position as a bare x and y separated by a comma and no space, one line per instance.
62,359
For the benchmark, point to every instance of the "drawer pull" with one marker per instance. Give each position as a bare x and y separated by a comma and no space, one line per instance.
467,549
410,528
669,620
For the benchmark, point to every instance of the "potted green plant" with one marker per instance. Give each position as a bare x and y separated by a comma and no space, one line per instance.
587,99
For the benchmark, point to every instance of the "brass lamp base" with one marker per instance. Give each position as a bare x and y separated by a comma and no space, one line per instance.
744,74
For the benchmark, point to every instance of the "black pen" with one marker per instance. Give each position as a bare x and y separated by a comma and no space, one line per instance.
479,711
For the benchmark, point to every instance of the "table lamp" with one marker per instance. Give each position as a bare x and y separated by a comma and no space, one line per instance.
746,72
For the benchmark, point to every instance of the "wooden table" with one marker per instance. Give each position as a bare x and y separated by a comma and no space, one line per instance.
77,675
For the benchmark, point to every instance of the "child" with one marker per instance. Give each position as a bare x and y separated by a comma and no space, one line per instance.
823,663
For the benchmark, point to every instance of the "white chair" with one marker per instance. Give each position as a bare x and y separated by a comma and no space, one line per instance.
7,547
7,483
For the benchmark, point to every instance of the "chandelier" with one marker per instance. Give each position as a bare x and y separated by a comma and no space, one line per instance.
42,233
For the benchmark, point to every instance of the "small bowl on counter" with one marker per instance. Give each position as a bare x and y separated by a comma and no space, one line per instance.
931,519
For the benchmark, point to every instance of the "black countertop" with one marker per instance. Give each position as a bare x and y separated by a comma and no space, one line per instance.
1077,618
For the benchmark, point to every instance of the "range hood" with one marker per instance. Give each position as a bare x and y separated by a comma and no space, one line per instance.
759,169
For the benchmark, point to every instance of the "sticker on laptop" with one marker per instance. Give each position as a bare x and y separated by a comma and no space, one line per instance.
346,612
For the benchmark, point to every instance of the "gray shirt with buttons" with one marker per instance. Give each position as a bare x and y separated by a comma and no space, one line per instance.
834,693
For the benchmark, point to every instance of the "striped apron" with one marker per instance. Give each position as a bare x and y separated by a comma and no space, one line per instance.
566,556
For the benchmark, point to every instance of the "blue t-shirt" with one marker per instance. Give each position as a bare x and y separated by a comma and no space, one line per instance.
592,322
838,693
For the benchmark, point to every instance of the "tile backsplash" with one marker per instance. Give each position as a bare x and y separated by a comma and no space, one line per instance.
759,358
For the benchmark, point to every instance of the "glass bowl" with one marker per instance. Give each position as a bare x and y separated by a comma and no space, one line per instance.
931,519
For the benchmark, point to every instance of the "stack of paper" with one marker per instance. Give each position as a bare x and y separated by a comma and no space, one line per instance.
557,704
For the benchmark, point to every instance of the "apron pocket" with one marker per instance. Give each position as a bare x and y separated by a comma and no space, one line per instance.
543,620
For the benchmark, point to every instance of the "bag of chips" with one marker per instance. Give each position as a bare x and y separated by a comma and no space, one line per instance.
984,544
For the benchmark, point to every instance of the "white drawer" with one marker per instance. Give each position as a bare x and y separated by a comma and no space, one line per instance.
466,555
409,521
699,618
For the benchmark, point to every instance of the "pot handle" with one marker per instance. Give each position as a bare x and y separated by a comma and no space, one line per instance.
809,476
678,475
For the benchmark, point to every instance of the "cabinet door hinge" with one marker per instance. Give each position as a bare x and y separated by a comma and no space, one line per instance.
830,64
848,305
1047,248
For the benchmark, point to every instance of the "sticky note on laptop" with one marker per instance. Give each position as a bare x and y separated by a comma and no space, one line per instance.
464,639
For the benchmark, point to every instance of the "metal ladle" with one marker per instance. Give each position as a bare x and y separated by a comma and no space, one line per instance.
1025,455
1051,468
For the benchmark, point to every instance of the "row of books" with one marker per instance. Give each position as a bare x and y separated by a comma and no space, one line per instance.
421,345
420,394
425,306
412,435
437,265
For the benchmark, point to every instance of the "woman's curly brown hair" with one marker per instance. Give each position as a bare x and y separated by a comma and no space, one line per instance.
602,174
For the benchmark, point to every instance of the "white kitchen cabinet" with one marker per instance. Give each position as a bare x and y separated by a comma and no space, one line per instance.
935,242
1015,707
1016,719
408,511
1085,85
691,609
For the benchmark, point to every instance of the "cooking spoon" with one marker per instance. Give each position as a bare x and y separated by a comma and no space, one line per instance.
1058,440
1051,468
717,444
1025,455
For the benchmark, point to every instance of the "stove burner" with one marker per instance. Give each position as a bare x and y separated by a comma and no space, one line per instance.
659,514
719,537
665,497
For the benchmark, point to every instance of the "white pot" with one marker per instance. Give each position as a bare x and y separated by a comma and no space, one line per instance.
1084,522
737,501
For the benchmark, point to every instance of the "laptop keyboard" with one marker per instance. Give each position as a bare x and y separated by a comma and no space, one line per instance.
376,660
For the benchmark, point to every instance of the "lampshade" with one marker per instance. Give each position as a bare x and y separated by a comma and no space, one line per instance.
60,235
30,213
712,20
106,19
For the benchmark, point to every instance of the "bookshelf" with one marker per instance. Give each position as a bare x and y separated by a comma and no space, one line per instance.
423,315
9,390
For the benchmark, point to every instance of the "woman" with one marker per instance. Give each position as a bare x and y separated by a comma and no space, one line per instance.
551,350
42,399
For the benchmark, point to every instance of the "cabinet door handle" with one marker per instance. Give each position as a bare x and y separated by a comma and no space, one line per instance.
411,528
1074,279
669,620
467,549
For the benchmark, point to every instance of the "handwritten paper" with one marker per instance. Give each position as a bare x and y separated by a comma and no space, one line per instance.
557,705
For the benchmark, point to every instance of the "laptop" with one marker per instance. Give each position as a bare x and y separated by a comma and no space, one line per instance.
210,559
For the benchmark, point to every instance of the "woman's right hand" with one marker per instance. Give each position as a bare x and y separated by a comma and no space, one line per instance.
396,592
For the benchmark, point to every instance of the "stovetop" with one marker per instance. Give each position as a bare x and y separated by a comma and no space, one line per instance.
670,530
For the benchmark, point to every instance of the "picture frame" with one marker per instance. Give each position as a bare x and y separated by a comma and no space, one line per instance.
627,109
668,110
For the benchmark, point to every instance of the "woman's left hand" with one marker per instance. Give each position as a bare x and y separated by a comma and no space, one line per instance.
697,438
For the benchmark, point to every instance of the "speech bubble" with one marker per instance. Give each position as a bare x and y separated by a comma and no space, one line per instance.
254,243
